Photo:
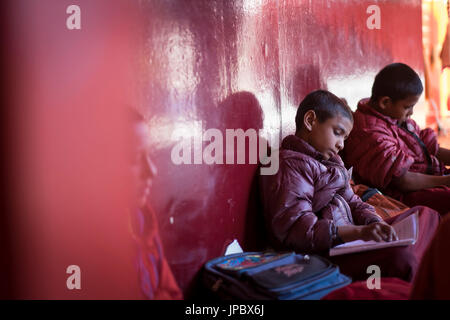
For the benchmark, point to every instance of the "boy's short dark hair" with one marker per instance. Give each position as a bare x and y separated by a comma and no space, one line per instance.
324,104
396,81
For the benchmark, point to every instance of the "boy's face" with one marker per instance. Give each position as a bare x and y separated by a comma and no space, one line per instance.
328,137
143,168
400,109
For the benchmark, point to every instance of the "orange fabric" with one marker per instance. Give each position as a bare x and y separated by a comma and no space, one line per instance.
385,206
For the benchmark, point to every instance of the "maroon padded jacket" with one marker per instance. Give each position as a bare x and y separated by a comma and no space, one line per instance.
379,150
308,198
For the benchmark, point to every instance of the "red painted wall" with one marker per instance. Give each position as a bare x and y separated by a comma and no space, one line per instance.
189,66
241,64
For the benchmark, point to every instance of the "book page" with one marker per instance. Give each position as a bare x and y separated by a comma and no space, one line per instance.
356,243
406,229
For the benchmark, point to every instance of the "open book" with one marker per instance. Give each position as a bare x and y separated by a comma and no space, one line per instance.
407,231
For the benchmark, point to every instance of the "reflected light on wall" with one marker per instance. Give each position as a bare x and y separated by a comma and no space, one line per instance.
271,122
355,89
352,89
250,6
180,61
288,114
163,131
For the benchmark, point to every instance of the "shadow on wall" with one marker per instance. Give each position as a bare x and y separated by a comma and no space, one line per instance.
238,182
233,206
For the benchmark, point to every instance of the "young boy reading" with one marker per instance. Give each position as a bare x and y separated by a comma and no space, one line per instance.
310,207
387,149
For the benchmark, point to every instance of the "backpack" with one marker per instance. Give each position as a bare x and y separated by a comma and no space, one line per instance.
271,275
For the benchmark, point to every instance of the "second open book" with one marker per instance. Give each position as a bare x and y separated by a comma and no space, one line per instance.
407,232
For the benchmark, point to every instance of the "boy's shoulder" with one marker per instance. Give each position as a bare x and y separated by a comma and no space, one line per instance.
367,125
365,112
365,117
368,122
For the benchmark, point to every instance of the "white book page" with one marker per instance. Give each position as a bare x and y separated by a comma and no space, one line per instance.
355,243
406,229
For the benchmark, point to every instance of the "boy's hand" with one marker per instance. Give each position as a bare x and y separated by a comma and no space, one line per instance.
447,180
413,181
378,231
443,155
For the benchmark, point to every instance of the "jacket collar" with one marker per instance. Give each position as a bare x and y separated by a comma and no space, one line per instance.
297,144
364,107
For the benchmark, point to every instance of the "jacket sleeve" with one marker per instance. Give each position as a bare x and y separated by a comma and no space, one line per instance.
362,213
290,214
428,136
378,158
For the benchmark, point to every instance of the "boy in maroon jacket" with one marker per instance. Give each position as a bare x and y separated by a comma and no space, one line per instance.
387,149
309,205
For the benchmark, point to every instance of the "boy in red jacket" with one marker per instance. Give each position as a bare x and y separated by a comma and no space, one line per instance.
387,149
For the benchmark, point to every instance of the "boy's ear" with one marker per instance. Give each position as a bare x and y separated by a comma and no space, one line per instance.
384,103
309,119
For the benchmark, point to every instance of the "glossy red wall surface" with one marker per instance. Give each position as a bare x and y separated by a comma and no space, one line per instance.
248,64
198,65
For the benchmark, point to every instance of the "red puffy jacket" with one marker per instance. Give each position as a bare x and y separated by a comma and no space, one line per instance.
379,150
308,198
